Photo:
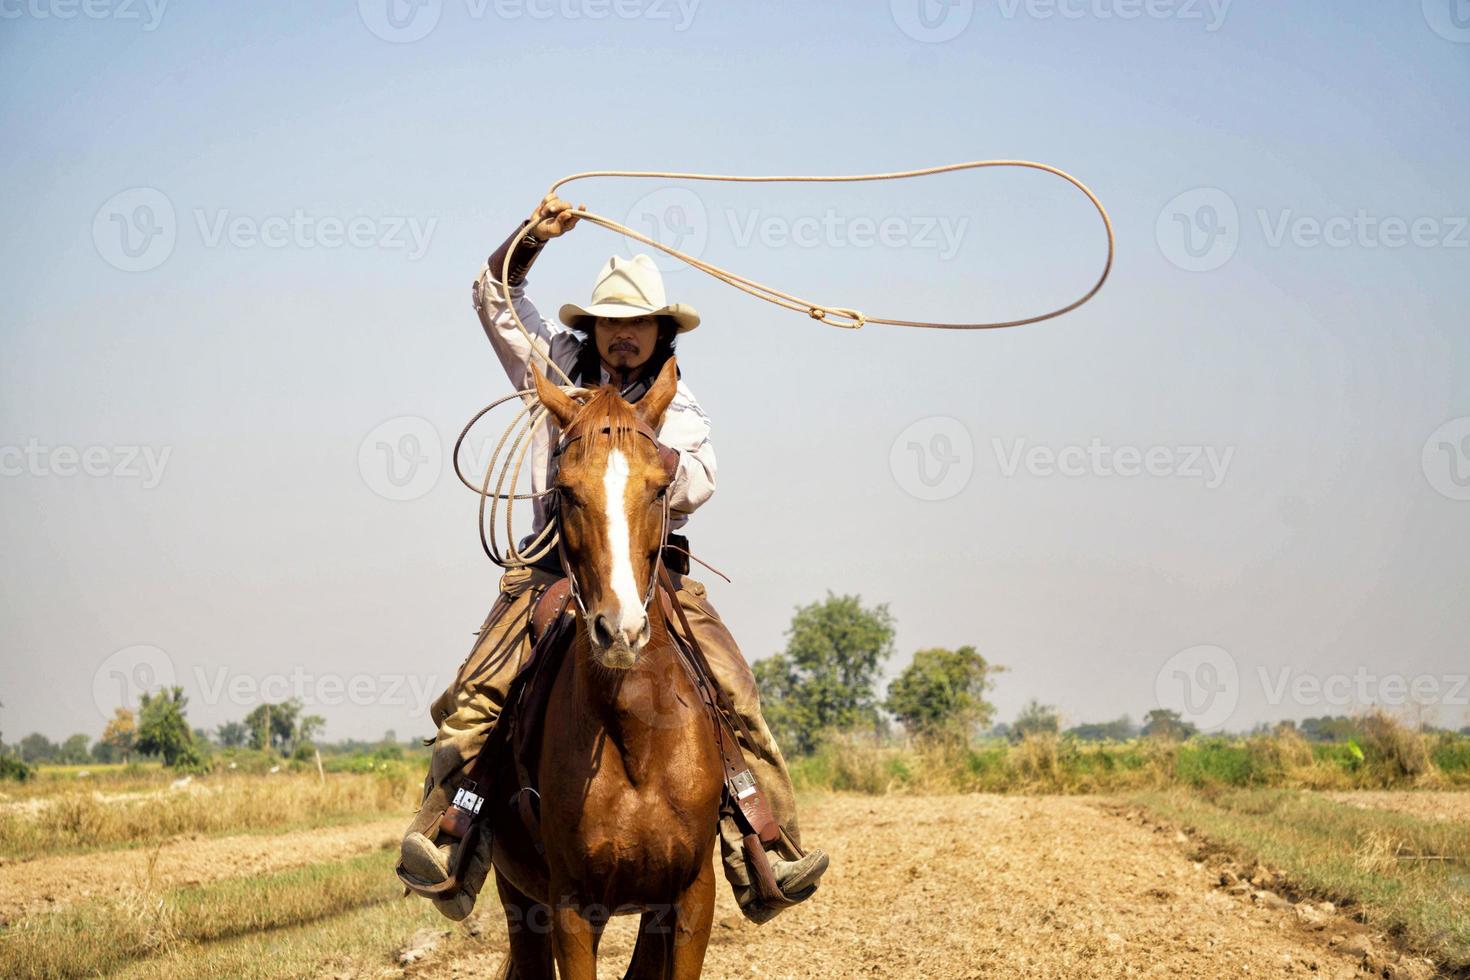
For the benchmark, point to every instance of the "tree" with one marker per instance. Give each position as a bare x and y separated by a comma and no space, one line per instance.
164,730
1119,730
1163,723
824,679
943,691
1035,719
287,728
36,747
121,735
73,751
231,734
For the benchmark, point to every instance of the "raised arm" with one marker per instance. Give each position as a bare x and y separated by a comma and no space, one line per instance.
493,299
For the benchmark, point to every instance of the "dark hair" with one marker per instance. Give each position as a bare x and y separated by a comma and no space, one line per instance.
589,362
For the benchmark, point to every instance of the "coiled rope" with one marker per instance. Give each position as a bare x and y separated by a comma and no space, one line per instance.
532,413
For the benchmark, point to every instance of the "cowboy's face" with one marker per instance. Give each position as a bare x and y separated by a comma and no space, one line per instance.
625,343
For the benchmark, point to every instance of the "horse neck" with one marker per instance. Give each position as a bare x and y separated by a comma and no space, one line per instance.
634,702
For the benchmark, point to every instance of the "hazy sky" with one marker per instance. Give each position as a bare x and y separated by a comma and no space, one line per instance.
236,268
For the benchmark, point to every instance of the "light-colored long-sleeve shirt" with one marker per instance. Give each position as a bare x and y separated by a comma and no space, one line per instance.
685,427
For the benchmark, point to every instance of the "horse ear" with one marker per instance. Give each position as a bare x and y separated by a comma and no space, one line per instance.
562,406
651,407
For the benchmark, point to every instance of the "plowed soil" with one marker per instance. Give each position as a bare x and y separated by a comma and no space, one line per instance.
1000,886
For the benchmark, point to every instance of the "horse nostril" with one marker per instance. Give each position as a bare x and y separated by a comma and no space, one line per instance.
601,632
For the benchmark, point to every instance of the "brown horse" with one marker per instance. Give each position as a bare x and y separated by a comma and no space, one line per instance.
628,773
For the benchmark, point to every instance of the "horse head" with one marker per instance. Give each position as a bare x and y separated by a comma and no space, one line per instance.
612,500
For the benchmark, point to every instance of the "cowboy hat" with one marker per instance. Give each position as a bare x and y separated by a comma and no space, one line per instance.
628,288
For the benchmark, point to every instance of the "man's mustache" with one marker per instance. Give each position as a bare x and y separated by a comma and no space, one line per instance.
626,345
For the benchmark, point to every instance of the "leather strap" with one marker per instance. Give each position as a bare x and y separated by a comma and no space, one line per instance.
526,250
750,803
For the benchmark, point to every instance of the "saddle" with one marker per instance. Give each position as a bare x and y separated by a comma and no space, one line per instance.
551,625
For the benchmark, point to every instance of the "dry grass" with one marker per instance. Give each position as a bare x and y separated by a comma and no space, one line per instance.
151,922
1401,873
75,816
1391,756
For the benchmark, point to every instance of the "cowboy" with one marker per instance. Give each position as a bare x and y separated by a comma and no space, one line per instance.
622,338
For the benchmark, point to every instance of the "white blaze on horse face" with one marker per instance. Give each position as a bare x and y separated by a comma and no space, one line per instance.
632,620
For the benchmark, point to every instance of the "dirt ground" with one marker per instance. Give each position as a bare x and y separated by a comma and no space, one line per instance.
1003,886
51,882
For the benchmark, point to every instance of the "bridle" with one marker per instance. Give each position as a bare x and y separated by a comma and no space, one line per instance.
643,429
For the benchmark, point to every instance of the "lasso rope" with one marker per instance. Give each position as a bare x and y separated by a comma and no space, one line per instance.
532,414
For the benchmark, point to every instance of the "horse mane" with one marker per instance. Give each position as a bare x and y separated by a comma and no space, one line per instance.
605,415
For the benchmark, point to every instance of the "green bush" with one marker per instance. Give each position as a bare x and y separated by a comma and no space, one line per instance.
1214,761
12,768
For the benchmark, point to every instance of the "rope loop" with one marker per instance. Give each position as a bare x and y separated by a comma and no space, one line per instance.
514,451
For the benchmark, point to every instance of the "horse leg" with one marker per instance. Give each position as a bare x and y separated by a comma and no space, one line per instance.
574,938
672,943
527,923
693,914
653,954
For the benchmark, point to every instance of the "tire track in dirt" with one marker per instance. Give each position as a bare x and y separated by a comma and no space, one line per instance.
980,887
47,883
